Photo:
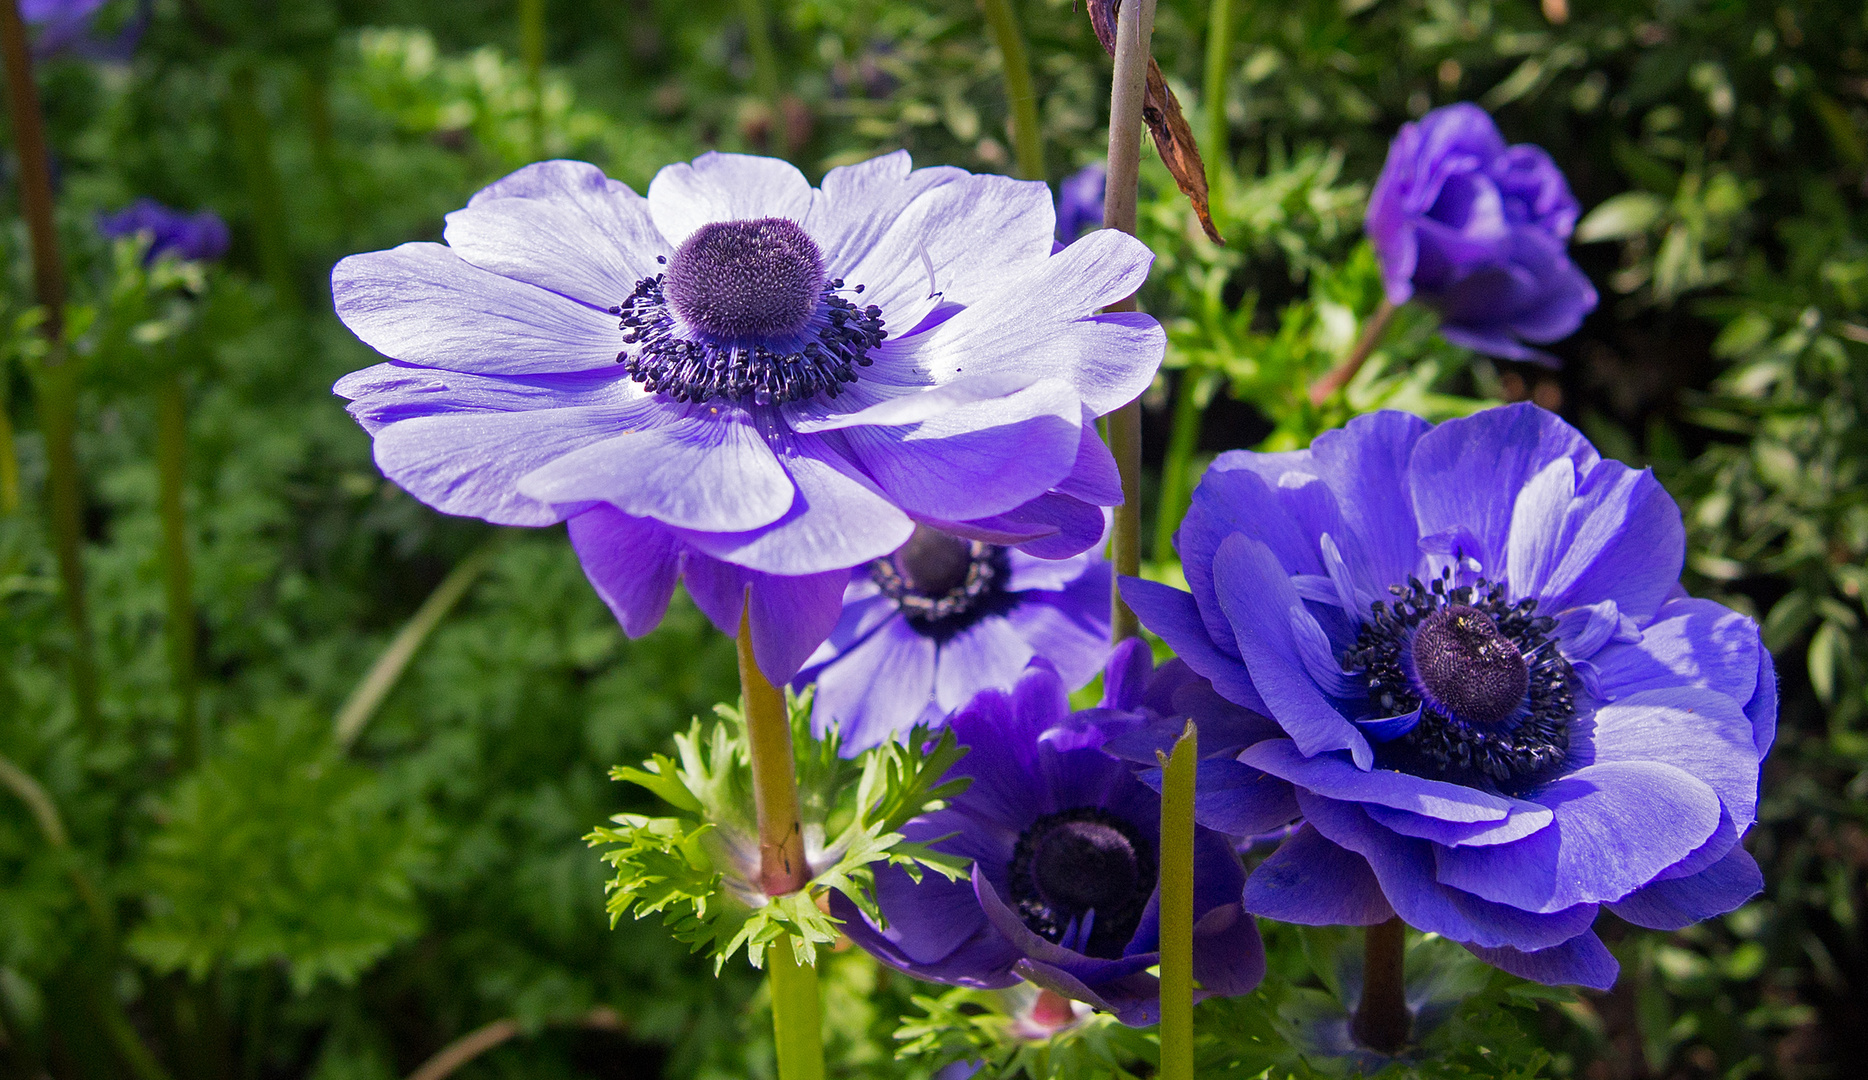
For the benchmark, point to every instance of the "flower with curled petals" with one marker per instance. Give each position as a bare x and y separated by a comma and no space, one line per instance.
751,384
1063,840
1498,710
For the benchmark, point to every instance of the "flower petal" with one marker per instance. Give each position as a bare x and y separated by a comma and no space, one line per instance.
1173,616
632,562
1331,776
725,187
1701,732
1581,961
878,689
1680,902
1312,882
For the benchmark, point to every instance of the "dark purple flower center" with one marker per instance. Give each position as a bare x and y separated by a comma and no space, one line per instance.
749,280
1081,878
744,313
1467,668
1493,692
944,583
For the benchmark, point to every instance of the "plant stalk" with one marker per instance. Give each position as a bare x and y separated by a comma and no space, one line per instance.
1371,336
1135,22
9,457
1183,440
177,573
1021,91
765,74
1177,791
797,1015
1218,67
532,50
1381,1022
58,391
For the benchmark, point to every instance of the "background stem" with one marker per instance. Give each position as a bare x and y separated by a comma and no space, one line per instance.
9,458
765,74
265,191
177,573
532,50
58,389
1218,66
1177,790
1135,22
1183,440
1381,1021
1021,91
1371,336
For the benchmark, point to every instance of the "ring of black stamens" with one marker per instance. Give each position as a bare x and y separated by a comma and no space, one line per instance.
820,359
940,591
1506,753
1076,861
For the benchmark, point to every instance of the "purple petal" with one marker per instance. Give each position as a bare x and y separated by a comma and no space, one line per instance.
632,563
1173,616
1620,538
1313,882
1701,732
790,617
1695,642
1581,961
878,690
1093,477
1071,629
725,187
987,654
1093,972
925,917
1051,526
1228,954
1331,776
1680,902
423,304
1030,573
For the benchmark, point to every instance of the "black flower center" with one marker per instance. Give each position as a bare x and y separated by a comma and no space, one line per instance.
1081,878
748,280
1493,691
1467,668
745,313
944,583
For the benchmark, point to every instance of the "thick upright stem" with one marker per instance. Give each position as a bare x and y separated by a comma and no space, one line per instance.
532,50
1381,1022
1135,22
177,574
1183,440
1177,791
1021,91
1218,65
1371,336
797,1014
765,73
58,392
782,867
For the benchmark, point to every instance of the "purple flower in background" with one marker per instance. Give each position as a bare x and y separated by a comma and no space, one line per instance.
65,27
1063,842
926,628
190,237
1080,202
1478,230
799,377
1498,709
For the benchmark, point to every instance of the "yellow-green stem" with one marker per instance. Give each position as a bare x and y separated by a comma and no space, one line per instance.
1371,336
1218,60
58,384
765,74
1021,92
532,50
9,459
797,1015
1134,28
177,574
1381,1021
1183,439
265,191
1177,791
782,867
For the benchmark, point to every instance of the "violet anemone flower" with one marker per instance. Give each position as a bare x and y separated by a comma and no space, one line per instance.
190,237
64,26
1499,711
944,617
1063,840
1080,202
1477,230
748,382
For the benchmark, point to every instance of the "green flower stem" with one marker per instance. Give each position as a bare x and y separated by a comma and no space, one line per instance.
1381,1021
265,192
765,74
1371,336
388,669
177,574
9,459
58,384
1218,67
1134,27
797,1015
1183,440
797,1021
1021,92
1177,788
532,50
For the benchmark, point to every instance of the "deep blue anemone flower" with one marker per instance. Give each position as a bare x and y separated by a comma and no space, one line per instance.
1499,711
944,617
191,237
748,383
1063,839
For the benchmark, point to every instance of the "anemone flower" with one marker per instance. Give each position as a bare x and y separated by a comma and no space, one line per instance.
1499,711
1063,842
1477,231
748,382
64,26
1080,201
190,237
944,617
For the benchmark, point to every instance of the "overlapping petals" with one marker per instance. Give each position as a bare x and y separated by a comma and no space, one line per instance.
1674,699
503,397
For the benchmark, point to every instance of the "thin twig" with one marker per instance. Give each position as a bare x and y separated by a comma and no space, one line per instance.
484,1038
1339,376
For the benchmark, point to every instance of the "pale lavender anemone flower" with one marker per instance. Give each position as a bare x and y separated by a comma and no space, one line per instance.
944,617
1477,230
1498,710
1063,838
799,377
